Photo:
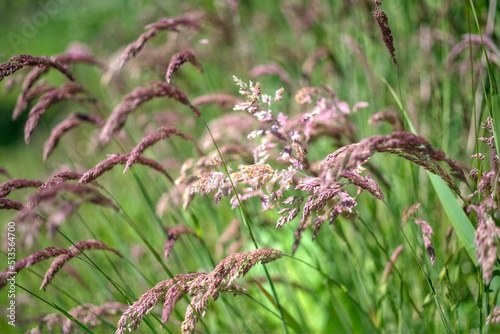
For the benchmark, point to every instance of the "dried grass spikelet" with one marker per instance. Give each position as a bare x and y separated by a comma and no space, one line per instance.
383,24
134,99
223,100
204,288
427,233
159,134
426,228
69,90
173,234
256,174
390,265
73,252
25,60
117,159
180,58
191,20
72,121
170,291
388,116
8,186
364,182
271,69
87,314
201,287
486,237
4,171
63,255
8,204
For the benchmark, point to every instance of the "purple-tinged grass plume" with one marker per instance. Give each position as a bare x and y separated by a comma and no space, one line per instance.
201,287
120,159
180,58
160,134
134,99
72,121
63,255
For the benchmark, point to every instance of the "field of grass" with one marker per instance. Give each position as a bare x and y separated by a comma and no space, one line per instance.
249,166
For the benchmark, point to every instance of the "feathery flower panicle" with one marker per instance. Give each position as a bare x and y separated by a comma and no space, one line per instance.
72,121
365,183
201,287
204,288
73,252
69,90
180,58
87,314
427,233
25,60
486,236
408,212
255,175
220,99
173,234
56,179
383,24
171,24
63,255
8,186
160,134
131,319
210,181
119,159
134,99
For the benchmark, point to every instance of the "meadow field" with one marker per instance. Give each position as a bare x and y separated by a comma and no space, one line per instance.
236,166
